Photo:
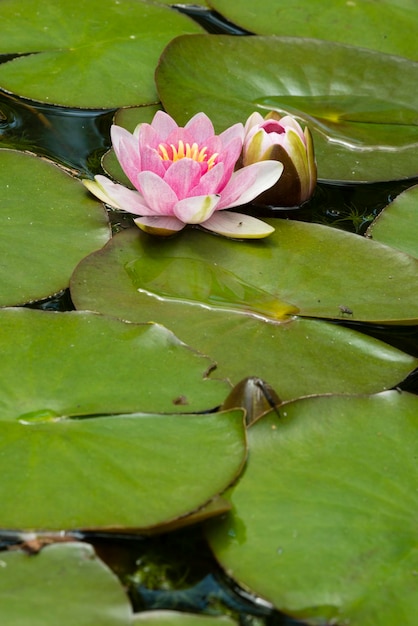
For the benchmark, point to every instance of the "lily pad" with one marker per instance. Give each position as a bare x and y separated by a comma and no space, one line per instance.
96,54
218,505
175,618
302,268
64,584
387,26
75,364
48,225
323,522
119,472
235,302
397,224
358,103
185,4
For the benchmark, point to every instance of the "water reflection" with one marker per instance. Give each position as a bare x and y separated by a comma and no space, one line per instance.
74,138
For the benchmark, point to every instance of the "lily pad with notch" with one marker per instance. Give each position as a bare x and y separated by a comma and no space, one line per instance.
81,363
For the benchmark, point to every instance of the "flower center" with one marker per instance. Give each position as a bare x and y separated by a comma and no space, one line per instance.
170,152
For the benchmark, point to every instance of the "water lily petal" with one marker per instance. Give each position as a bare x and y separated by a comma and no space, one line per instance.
290,122
197,209
247,183
213,144
126,150
313,173
255,119
97,190
200,127
163,124
182,176
296,149
117,196
159,225
198,130
157,193
238,226
258,146
235,131
152,162
210,182
148,138
119,134
229,157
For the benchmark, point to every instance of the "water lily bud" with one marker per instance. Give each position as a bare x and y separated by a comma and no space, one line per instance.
282,139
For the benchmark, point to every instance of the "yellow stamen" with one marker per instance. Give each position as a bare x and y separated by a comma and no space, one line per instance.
164,153
211,161
187,151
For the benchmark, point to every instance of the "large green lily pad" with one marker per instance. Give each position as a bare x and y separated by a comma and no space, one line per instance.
302,268
175,618
75,364
201,3
324,518
128,118
64,584
397,224
103,470
235,302
386,25
48,225
133,471
358,103
95,54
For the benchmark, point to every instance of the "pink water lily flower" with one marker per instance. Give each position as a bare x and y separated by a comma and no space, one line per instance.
186,176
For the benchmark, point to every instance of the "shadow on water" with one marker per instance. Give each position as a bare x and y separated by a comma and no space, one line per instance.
177,571
76,139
